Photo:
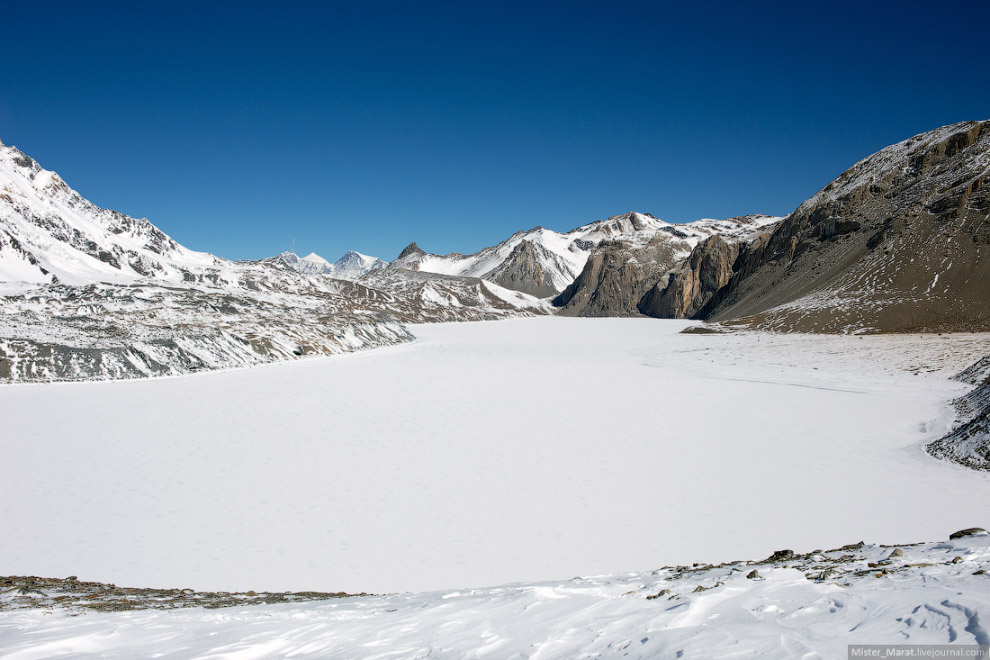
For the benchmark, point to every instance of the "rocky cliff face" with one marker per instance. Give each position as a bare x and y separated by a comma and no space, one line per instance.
539,261
897,243
686,291
616,276
671,275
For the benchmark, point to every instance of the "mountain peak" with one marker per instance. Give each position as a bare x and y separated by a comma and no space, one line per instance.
412,248
314,258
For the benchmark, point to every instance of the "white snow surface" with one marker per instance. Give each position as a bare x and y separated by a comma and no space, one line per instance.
487,453
927,597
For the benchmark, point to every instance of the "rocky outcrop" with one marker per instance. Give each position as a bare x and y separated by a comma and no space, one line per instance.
686,291
523,270
620,274
617,275
411,250
897,243
969,442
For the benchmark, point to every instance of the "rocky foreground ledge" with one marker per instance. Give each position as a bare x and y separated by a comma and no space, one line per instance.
30,592
841,566
788,605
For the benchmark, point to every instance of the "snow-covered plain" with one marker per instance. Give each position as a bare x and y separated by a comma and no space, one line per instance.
487,453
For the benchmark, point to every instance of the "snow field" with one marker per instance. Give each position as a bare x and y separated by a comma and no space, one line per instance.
487,453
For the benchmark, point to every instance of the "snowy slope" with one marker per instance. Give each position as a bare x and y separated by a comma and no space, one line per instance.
806,606
49,233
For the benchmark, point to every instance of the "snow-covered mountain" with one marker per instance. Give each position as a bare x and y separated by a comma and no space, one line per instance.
311,264
542,262
352,266
896,243
50,234
90,293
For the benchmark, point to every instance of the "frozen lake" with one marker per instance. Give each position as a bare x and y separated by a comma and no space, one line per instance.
486,453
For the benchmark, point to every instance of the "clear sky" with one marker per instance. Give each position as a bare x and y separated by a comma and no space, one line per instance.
326,126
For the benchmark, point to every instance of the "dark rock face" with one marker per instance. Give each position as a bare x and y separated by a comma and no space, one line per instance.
617,275
663,278
897,243
963,533
411,249
687,290
523,271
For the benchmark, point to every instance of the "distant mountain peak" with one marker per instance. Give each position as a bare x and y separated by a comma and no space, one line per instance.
351,266
353,255
314,258
411,249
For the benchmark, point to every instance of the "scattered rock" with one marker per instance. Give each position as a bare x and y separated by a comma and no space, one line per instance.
962,533
753,575
780,555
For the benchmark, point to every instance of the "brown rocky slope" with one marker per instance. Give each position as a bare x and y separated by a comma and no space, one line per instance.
897,243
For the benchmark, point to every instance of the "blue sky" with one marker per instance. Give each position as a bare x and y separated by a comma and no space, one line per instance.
245,131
